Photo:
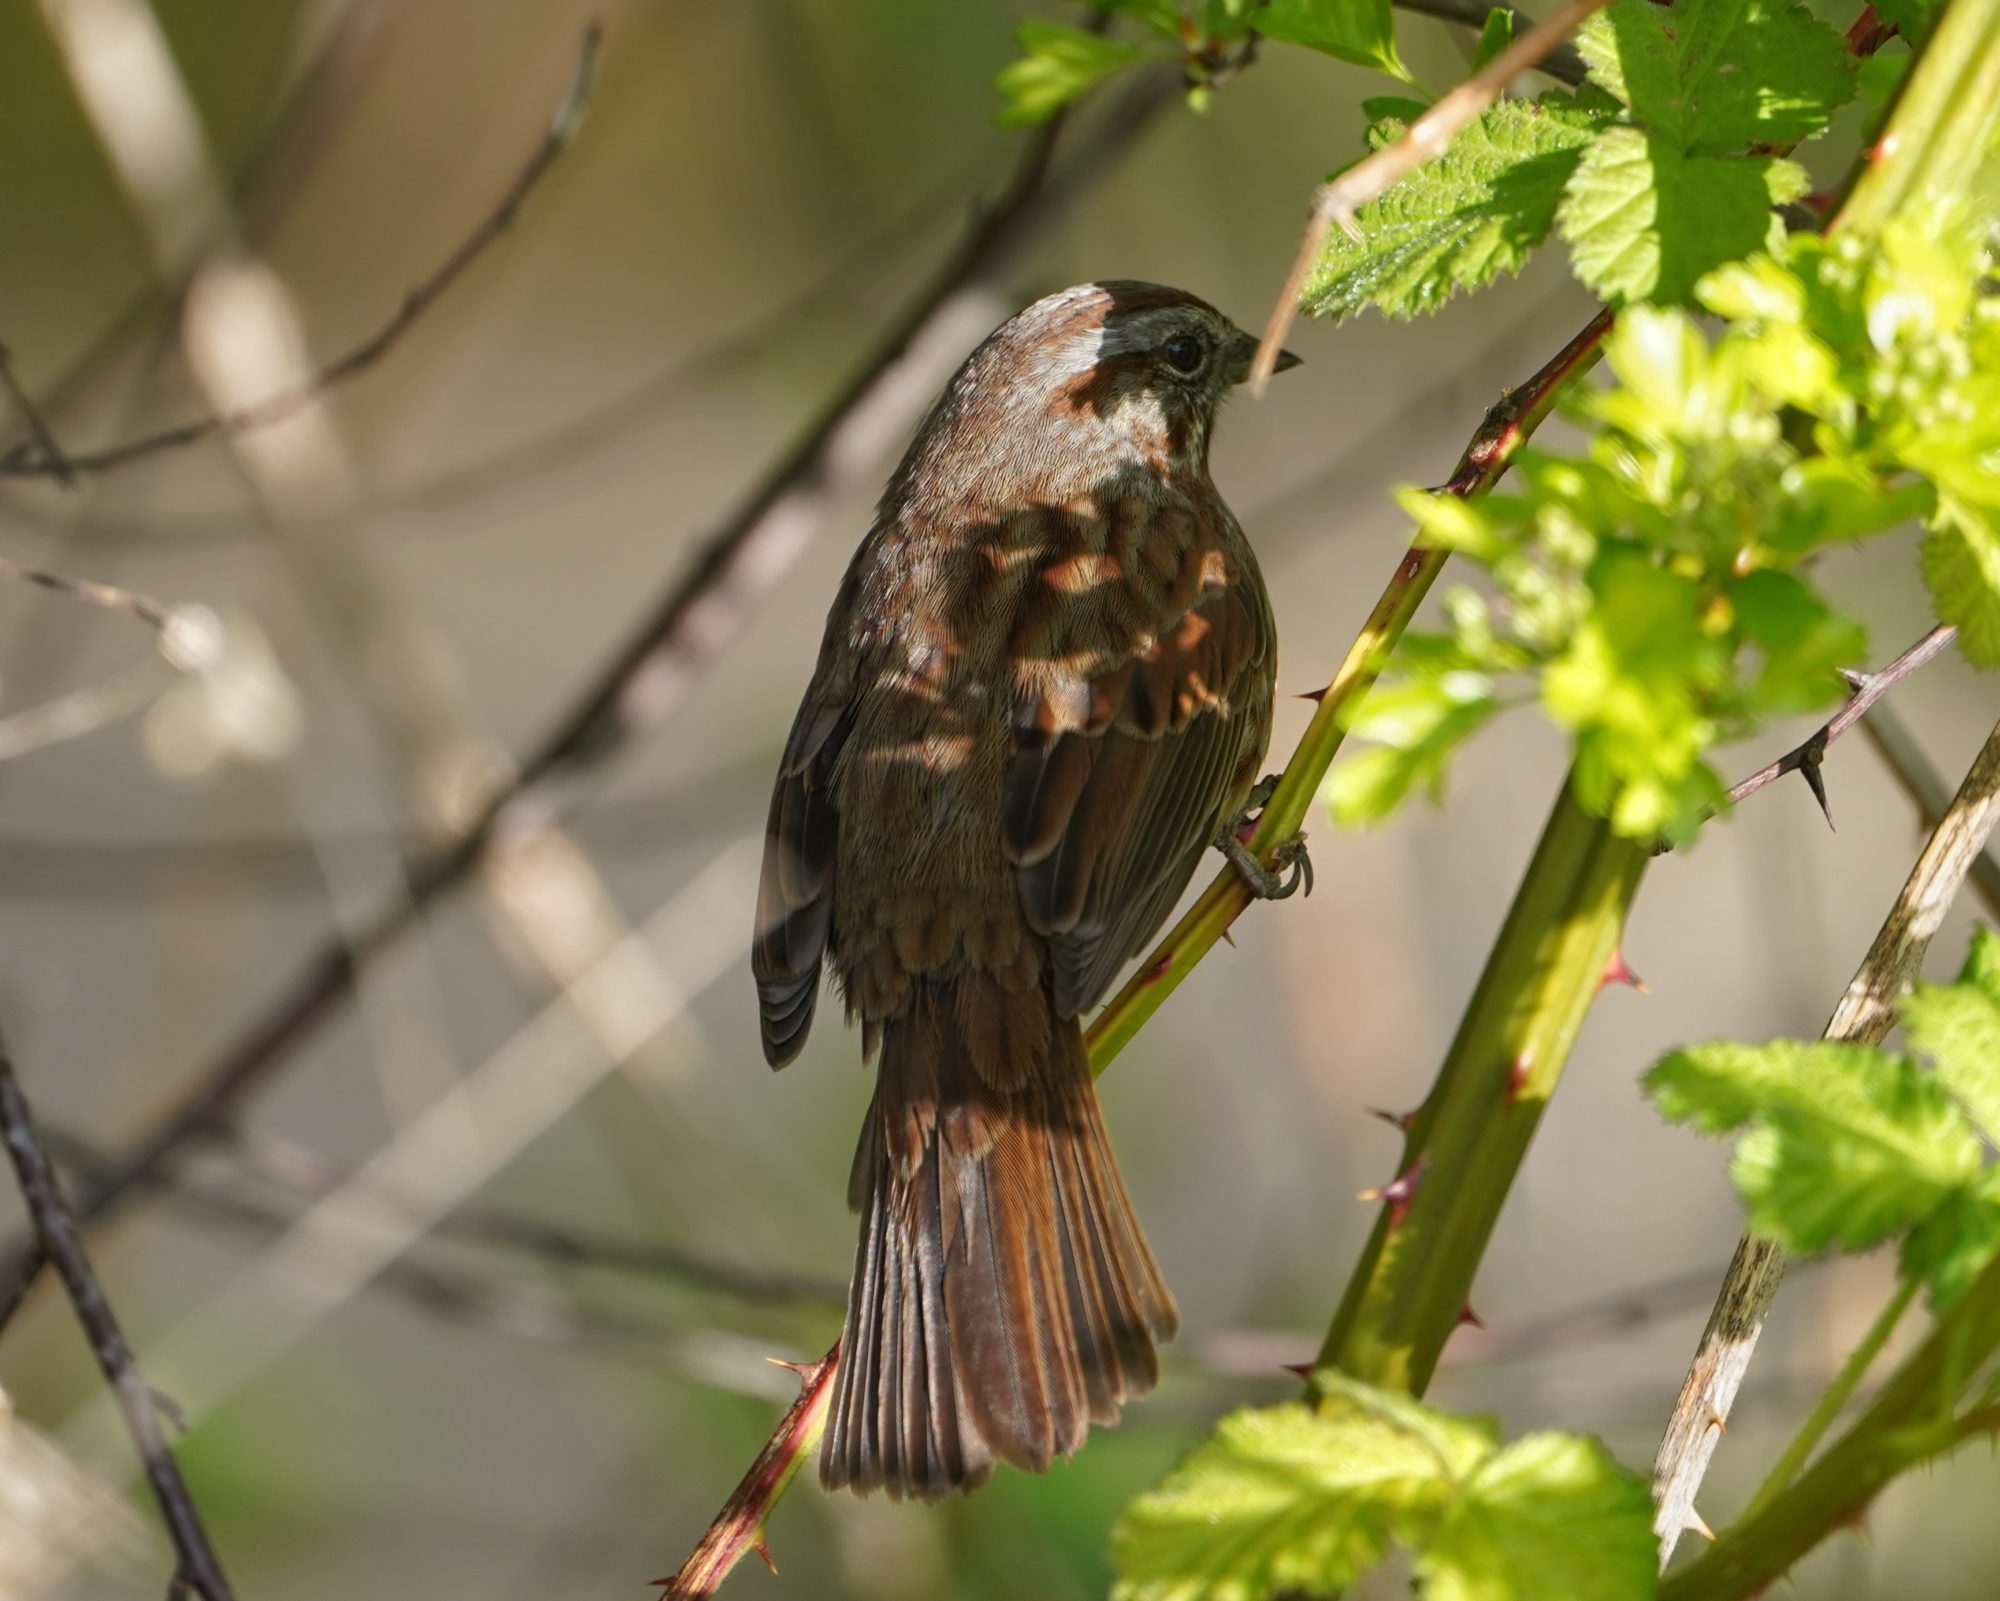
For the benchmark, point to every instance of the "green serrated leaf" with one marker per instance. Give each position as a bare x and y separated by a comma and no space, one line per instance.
1286,1498
1961,562
1417,725
1495,34
1720,76
1910,18
1457,222
1398,109
1957,1027
1803,641
1058,63
1951,1247
1629,685
1719,1086
1550,1515
1161,16
1290,1501
1644,221
1360,31
1846,1145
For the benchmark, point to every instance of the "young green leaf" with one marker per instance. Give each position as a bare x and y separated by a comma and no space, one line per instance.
1804,642
1288,1501
1951,1247
1644,220
1360,31
1284,1498
1495,34
1058,63
1719,1086
1461,220
1550,1515
1720,76
1957,1026
1846,1145
1961,562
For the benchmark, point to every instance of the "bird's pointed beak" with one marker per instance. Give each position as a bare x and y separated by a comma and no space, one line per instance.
1243,351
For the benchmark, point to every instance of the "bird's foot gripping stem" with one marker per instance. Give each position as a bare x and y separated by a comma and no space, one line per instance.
1290,867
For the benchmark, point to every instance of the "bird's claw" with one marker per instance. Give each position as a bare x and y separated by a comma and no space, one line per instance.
1291,865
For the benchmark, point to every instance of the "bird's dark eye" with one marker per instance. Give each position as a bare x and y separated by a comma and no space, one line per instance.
1184,351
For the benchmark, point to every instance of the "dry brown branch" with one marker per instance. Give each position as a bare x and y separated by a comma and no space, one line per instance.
56,1226
1865,1014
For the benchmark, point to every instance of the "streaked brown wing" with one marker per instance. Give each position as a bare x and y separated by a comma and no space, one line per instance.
1118,783
795,894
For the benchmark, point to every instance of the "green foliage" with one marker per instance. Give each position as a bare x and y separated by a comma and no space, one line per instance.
1360,31
1644,219
1288,1500
1460,221
1719,75
1057,64
1495,34
1650,589
1844,1146
1682,184
1956,1027
1658,171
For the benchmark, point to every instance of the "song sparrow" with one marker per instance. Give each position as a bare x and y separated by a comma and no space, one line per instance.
1045,686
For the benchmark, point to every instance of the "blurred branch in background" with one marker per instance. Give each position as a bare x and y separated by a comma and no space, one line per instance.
186,639
299,1175
199,1568
37,456
498,1304
653,672
365,1222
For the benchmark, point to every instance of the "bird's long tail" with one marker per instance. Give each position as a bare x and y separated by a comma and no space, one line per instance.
1003,1298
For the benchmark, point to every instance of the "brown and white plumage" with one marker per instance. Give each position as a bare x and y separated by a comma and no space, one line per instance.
1046,682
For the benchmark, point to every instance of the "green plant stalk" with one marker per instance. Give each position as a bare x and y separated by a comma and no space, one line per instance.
1913,1420
1465,1144
1838,1394
1506,427
1942,125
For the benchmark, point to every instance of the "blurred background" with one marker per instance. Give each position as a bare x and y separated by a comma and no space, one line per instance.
478,1303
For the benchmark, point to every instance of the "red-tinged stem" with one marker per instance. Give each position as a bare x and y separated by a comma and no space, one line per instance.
739,1528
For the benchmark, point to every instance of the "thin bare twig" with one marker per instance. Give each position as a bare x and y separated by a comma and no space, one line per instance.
1867,689
185,638
546,1315
56,1226
654,670
33,459
44,440
305,1174
1865,1014
1425,140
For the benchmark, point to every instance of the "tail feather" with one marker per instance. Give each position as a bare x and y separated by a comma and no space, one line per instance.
1004,1298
